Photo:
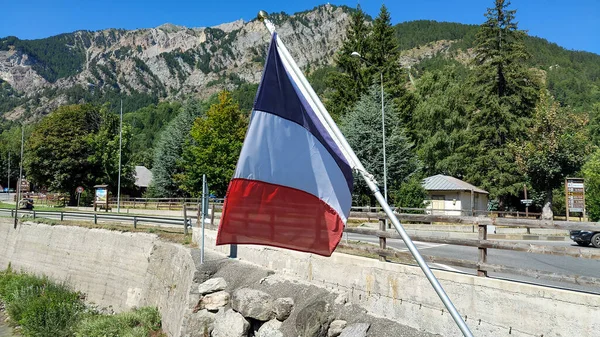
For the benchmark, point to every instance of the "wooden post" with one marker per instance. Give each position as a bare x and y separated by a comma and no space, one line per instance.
526,207
382,240
212,216
567,199
482,251
185,227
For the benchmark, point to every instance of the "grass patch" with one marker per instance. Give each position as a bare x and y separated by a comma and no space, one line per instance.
36,207
170,234
42,308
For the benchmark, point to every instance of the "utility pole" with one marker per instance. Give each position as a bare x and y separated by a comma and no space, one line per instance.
8,178
120,142
20,180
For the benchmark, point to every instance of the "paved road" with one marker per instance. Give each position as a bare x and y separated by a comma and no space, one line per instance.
550,263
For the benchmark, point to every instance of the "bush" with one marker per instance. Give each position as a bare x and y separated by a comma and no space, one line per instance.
137,323
40,307
46,309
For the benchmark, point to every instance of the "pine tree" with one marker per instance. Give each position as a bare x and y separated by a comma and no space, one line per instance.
504,93
363,130
168,152
351,80
384,58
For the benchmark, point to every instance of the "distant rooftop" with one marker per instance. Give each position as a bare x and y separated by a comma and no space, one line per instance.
441,182
143,176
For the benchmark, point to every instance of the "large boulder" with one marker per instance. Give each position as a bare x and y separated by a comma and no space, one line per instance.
214,301
313,320
282,308
270,329
356,330
213,285
199,324
230,324
335,328
253,304
547,212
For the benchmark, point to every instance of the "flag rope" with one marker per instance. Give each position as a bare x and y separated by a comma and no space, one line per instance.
369,179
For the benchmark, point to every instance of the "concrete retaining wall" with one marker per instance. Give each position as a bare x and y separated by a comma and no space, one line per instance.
402,293
116,270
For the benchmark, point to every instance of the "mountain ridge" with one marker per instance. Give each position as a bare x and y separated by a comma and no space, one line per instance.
172,62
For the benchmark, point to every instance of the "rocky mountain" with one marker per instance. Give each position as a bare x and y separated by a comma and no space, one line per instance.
168,61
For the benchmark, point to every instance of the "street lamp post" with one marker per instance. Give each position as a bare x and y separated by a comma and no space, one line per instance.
120,146
385,194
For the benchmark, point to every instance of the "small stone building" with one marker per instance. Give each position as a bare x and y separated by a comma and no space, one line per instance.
452,196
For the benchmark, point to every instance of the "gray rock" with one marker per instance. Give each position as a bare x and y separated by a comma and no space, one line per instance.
270,329
253,303
214,301
212,285
356,330
230,324
336,327
199,324
313,320
341,299
547,212
282,307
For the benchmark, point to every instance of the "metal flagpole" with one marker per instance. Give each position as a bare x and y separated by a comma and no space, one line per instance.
8,180
369,179
120,142
204,207
20,180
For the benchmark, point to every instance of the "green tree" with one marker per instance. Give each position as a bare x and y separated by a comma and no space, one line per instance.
363,130
147,124
591,174
556,147
439,121
104,152
74,145
169,149
383,57
351,80
504,93
411,194
215,147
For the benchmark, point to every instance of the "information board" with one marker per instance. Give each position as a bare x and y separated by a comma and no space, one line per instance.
575,195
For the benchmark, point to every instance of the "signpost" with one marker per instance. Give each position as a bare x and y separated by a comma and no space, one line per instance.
101,197
79,191
575,196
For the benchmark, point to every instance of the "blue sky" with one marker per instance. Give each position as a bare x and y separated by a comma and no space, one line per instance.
572,24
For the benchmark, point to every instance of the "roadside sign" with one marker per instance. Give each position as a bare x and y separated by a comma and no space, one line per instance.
575,195
79,189
527,202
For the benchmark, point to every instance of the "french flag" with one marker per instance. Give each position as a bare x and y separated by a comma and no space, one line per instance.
292,187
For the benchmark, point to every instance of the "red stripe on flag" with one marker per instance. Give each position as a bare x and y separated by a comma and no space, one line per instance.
261,213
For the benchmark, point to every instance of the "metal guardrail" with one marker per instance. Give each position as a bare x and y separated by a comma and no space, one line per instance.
135,219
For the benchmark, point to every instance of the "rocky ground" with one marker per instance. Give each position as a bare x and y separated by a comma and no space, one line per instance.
236,299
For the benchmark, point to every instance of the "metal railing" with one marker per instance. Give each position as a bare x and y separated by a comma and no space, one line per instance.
134,219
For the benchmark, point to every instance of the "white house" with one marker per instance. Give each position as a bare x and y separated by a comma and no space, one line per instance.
452,196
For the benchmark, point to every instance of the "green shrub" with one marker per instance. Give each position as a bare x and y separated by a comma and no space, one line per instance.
39,306
136,323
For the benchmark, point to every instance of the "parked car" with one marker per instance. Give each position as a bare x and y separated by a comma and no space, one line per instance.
584,238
